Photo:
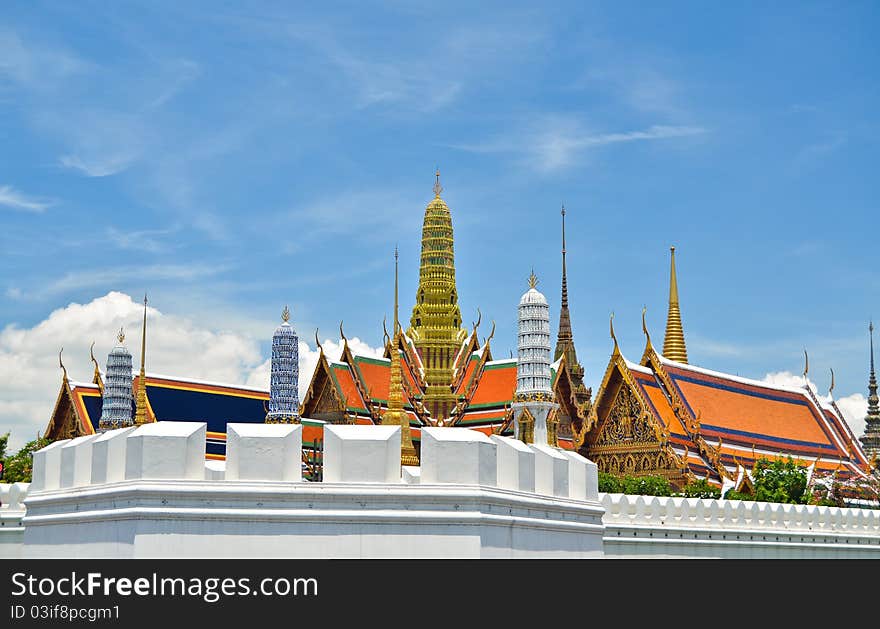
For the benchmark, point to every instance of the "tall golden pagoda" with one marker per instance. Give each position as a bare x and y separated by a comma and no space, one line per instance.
673,343
140,416
395,415
435,326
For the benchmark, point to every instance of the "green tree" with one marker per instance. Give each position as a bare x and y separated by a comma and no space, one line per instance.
18,468
4,441
780,481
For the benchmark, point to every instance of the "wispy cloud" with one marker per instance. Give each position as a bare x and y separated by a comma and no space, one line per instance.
115,277
140,240
14,200
557,143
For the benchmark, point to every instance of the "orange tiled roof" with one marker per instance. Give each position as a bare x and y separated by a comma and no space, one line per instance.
497,384
775,420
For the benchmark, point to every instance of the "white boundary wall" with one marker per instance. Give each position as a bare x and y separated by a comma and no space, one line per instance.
472,513
171,503
651,526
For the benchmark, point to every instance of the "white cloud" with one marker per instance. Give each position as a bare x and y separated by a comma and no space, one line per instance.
557,142
15,200
854,406
176,346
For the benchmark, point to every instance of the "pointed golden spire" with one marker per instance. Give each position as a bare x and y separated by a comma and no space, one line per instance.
673,343
396,415
141,406
285,314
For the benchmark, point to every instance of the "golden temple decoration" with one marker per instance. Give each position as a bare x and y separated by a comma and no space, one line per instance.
140,416
527,426
673,343
61,364
533,280
395,414
285,314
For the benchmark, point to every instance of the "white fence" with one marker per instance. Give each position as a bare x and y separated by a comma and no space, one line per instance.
148,492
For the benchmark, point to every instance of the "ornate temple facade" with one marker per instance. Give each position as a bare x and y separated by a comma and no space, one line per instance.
448,376
662,416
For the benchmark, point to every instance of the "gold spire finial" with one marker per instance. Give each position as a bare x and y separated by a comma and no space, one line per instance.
285,314
395,415
673,343
120,336
437,187
533,280
141,406
61,364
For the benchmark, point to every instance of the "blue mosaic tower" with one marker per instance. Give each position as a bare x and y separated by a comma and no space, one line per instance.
283,396
116,408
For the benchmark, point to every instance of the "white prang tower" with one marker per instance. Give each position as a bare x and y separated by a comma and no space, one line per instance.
534,407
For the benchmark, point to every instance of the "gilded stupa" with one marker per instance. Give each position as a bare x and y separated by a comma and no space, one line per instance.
435,325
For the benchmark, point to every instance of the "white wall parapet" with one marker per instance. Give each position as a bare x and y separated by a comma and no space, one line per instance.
361,454
551,471
516,464
459,456
76,462
46,472
264,452
166,450
108,456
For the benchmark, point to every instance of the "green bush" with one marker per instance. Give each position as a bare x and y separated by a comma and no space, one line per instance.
609,483
701,489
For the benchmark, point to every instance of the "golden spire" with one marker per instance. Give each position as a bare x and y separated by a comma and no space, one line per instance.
140,416
436,323
533,280
395,415
285,314
120,336
673,343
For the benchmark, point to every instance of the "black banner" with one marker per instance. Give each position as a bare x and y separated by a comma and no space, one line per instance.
259,593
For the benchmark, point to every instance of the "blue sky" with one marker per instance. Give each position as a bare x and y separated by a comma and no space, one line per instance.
228,158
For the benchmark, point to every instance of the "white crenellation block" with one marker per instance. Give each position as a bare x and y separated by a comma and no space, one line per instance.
172,450
108,456
361,454
76,462
583,477
47,467
516,464
551,471
458,456
410,474
264,452
215,470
